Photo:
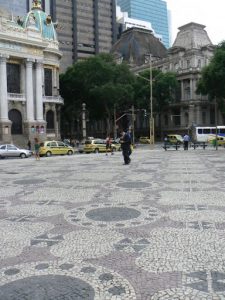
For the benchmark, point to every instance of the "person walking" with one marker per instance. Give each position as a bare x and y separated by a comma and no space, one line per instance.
108,145
29,145
126,147
186,141
37,149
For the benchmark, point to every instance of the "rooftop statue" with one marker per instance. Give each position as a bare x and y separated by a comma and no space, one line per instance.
43,22
37,4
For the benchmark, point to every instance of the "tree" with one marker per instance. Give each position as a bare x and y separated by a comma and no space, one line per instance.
213,78
101,84
164,87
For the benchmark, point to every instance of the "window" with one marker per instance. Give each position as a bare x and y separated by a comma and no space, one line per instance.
10,147
13,78
50,119
204,117
3,147
61,144
222,130
206,130
53,144
199,131
48,82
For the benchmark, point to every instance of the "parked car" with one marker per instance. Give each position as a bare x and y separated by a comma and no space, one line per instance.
220,140
175,139
9,150
97,145
144,140
49,148
116,144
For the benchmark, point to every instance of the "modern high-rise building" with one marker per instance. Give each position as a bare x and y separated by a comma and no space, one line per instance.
85,27
153,11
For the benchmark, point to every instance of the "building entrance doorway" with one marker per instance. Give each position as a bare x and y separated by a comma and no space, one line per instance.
16,118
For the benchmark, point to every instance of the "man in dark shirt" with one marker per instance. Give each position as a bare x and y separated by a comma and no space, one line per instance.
126,147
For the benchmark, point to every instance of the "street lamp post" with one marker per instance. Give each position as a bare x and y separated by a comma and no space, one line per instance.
84,121
216,122
151,118
151,124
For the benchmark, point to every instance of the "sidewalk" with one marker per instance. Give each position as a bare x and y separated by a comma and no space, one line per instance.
89,227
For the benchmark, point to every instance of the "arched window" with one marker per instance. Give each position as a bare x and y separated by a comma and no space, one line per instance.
16,118
50,119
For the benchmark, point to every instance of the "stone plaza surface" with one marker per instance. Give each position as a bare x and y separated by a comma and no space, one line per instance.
89,227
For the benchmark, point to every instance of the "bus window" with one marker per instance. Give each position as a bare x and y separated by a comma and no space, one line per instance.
222,130
206,130
213,130
199,131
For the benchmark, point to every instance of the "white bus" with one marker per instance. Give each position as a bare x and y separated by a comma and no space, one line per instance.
204,134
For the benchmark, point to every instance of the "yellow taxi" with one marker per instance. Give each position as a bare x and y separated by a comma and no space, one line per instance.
49,148
175,139
98,145
220,140
144,140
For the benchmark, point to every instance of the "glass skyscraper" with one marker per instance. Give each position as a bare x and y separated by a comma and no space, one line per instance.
153,11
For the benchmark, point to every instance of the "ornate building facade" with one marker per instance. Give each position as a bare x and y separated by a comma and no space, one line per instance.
191,51
29,77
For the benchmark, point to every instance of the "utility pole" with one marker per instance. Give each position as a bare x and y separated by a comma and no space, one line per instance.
84,121
151,121
216,121
114,116
133,117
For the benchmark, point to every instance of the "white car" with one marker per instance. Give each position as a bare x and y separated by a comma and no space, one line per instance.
9,150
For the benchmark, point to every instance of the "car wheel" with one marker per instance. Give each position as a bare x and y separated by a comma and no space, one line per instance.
48,154
23,155
96,150
70,152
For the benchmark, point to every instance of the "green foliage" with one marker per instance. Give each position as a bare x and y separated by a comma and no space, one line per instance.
100,83
212,80
164,86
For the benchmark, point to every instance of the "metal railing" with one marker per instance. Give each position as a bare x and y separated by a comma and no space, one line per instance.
16,97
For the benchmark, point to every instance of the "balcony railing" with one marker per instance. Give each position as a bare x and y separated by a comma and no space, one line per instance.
53,99
22,98
16,97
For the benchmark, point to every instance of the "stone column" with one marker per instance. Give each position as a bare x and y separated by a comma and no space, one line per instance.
199,115
29,91
39,96
192,118
3,90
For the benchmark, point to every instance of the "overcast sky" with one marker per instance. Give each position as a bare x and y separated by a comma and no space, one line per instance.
206,12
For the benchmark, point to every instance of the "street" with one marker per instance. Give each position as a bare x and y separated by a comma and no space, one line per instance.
89,227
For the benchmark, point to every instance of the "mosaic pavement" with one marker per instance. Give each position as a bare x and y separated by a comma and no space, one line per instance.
88,227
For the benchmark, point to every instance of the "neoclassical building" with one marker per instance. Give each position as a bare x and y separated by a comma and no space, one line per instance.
190,52
29,77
